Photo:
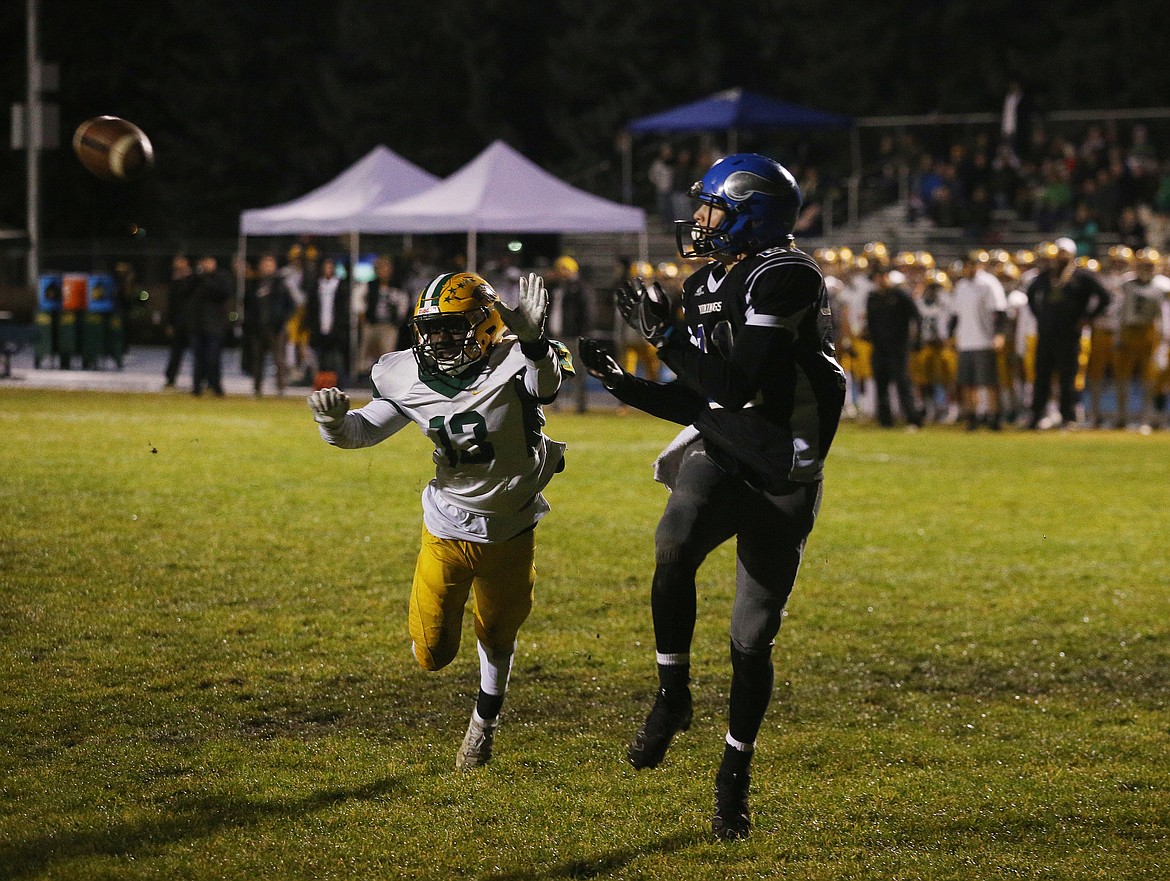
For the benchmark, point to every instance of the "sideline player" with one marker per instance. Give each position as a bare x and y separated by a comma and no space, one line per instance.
761,394
476,392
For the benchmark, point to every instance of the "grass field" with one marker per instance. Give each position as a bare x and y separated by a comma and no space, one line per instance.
206,671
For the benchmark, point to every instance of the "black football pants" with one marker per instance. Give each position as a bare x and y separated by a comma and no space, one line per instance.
707,507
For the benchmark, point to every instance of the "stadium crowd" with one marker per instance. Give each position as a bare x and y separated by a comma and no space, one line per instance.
1107,183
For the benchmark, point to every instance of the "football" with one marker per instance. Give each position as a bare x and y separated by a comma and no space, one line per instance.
113,149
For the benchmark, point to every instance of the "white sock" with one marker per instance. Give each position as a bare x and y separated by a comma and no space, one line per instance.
739,744
494,669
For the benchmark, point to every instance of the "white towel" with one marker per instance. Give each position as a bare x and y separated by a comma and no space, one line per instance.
670,459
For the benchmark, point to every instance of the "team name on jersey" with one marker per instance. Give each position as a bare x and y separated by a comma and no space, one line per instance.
708,308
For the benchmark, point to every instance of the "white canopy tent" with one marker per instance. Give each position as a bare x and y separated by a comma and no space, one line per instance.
502,191
337,207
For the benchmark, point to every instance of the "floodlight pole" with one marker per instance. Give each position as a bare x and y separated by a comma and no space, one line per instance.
32,143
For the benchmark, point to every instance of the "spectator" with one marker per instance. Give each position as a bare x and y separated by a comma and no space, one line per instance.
178,321
268,306
327,319
1085,230
383,310
211,291
662,177
570,311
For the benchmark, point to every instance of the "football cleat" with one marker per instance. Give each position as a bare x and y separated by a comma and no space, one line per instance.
732,818
476,749
668,716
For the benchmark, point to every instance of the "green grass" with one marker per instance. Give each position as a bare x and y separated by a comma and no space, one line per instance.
206,670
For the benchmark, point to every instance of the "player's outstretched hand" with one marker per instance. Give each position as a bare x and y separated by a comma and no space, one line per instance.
646,309
527,319
329,406
599,362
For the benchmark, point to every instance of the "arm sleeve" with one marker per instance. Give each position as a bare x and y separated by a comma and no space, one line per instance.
542,370
672,401
367,426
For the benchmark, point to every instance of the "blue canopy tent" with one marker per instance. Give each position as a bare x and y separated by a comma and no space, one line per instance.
736,109
732,111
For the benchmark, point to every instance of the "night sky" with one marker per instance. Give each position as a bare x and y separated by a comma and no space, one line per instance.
250,104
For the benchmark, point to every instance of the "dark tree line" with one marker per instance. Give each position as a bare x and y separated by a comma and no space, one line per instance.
249,104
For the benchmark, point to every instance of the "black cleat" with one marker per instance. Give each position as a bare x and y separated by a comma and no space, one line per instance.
732,819
668,716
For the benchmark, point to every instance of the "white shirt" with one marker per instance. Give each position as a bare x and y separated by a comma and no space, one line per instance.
977,300
327,291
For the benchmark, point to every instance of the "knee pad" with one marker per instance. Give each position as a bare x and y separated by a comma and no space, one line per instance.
751,661
432,660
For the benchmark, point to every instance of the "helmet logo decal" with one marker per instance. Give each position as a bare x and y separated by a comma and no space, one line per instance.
741,184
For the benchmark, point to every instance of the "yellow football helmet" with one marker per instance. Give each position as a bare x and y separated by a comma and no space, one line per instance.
456,323
938,278
877,252
1120,255
1147,261
567,265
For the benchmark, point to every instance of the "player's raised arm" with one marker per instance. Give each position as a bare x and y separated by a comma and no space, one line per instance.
527,320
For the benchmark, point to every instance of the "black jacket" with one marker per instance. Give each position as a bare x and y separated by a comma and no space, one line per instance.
1063,306
210,293
268,305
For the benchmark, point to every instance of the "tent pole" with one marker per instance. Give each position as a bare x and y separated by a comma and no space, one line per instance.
241,263
643,246
354,323
471,250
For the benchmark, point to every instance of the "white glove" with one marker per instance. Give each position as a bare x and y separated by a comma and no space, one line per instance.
329,406
527,319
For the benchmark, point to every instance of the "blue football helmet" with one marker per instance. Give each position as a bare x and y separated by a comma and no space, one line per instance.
760,200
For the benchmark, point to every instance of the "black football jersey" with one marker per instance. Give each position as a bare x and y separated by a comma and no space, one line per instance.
776,394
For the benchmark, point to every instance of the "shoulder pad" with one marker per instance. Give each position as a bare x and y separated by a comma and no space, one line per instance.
394,374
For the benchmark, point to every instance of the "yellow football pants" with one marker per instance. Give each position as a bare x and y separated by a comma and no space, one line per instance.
1102,347
498,576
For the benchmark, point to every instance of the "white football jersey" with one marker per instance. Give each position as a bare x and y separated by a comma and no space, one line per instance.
1141,302
936,317
491,456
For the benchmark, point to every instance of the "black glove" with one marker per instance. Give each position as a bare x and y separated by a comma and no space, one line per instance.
647,310
599,362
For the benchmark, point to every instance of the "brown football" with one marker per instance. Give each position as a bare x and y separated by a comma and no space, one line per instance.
112,148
